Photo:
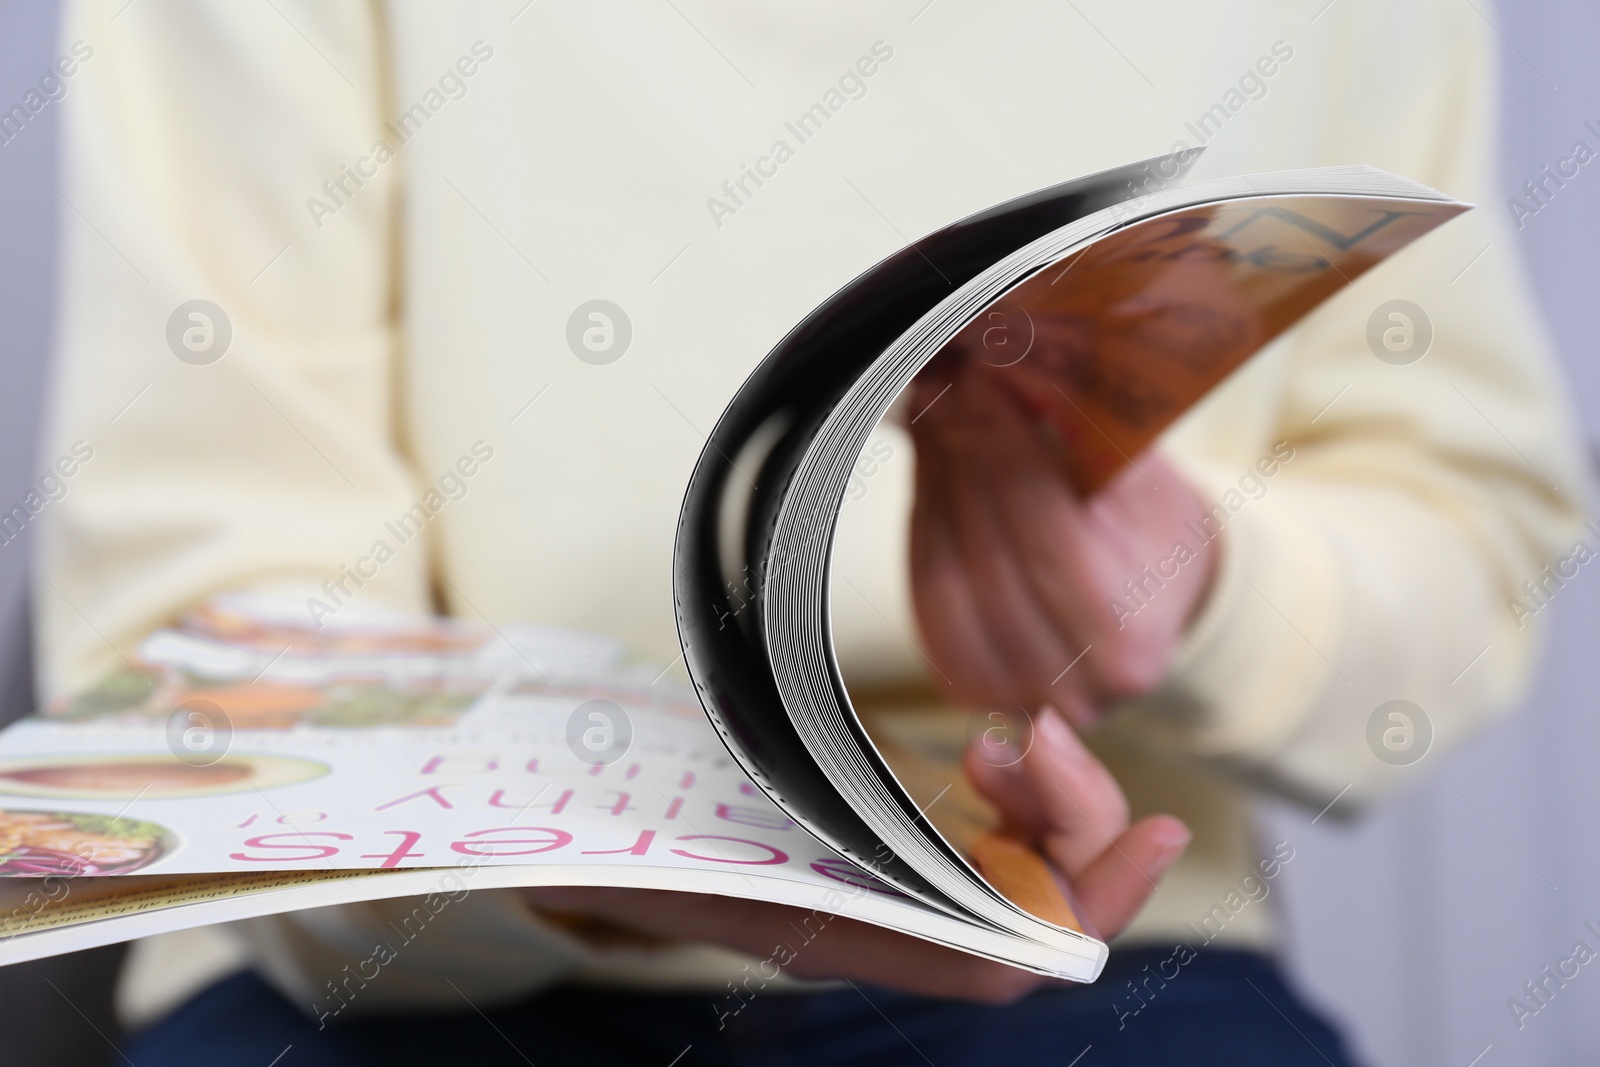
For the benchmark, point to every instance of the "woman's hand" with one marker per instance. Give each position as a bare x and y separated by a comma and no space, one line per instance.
1016,580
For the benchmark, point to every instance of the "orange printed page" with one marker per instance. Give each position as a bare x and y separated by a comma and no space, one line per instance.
1024,877
1113,343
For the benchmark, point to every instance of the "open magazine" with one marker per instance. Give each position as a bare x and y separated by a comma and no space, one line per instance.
251,761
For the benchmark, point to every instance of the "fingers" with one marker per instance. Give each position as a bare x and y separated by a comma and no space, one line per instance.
1116,884
956,439
1003,785
1070,565
947,614
1113,867
1057,795
1048,574
1081,808
1064,799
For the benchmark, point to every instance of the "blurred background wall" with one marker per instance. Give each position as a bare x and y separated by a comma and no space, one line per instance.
1414,927
27,271
55,1013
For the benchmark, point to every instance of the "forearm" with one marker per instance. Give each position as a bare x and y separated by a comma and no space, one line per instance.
1332,599
272,459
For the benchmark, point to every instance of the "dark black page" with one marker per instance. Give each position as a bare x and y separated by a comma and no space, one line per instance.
720,620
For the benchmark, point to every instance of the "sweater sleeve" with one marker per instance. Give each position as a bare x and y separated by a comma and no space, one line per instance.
1384,561
248,439
260,450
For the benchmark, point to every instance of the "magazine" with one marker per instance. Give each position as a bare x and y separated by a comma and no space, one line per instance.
249,761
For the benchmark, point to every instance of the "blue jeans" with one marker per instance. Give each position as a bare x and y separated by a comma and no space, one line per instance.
1222,1007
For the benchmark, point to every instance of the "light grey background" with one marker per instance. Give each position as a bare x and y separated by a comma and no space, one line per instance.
27,275
1413,927
54,1013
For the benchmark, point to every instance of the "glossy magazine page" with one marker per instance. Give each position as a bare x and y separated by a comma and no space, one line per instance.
246,762
235,742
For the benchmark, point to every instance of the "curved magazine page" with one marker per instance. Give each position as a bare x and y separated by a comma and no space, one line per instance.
247,762
722,558
1148,320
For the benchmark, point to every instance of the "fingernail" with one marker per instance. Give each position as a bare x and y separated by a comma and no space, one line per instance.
1169,855
1056,735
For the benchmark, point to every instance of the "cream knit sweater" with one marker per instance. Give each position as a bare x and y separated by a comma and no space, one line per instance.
399,208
